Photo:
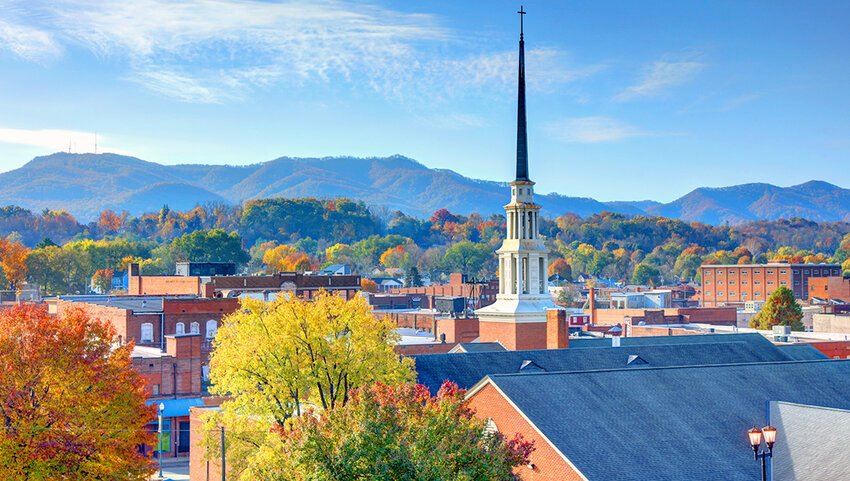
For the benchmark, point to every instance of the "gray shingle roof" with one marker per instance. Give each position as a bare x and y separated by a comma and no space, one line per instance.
802,352
481,347
469,368
671,424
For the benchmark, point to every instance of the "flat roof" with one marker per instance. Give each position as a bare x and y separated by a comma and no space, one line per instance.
767,265
140,304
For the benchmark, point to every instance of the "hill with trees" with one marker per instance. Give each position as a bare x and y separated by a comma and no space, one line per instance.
86,184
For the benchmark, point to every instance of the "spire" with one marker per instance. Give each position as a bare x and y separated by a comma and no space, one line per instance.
521,137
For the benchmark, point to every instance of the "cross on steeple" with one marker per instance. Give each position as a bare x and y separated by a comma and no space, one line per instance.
521,13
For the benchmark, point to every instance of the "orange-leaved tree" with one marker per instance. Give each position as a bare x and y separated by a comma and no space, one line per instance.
13,260
102,279
72,406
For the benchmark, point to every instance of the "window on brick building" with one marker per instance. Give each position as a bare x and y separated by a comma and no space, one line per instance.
180,328
708,293
757,294
147,332
212,327
796,271
731,283
708,283
756,272
195,328
783,283
155,389
732,293
719,283
758,283
744,273
770,272
770,283
719,293
806,271
783,272
743,283
720,272
815,271
707,272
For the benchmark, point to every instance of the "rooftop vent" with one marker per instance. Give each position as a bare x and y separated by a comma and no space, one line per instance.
635,360
530,366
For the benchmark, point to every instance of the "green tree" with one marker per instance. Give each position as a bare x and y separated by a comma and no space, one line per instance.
687,265
780,309
412,278
646,274
392,433
467,257
271,359
210,246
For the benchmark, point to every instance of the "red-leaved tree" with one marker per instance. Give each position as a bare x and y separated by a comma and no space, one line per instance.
399,432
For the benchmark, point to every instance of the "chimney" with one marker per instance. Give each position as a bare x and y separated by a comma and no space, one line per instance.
615,341
557,330
591,301
134,269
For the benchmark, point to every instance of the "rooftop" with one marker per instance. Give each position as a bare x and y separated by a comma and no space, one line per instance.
671,423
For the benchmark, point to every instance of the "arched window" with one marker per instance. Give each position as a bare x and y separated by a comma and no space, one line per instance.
195,328
180,328
212,327
147,332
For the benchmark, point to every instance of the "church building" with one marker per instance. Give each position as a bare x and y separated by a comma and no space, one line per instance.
518,317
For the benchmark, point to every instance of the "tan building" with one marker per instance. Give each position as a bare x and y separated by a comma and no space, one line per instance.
733,285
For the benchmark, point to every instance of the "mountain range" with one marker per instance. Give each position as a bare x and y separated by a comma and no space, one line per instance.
86,184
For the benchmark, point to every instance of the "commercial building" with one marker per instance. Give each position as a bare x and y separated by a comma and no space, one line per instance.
258,287
734,285
147,320
480,293
173,378
833,289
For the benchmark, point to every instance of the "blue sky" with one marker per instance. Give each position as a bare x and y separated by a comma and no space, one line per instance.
626,100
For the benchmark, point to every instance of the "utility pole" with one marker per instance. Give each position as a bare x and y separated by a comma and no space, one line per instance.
223,458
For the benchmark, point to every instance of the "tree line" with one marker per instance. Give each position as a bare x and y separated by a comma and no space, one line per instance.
274,235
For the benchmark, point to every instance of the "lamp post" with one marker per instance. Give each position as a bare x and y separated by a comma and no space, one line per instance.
755,436
159,438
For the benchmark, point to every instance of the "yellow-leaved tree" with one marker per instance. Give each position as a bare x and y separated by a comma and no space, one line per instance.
272,359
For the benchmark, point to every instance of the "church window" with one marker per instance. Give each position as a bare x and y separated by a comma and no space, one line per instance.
180,328
195,328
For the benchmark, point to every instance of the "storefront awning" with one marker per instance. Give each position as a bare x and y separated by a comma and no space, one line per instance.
177,407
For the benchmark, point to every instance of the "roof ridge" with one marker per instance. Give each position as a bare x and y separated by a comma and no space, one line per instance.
629,369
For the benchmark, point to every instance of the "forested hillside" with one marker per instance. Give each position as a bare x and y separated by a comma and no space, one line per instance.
64,255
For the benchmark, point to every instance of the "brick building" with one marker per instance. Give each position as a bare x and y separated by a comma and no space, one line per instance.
147,320
833,288
174,379
258,287
733,285
459,285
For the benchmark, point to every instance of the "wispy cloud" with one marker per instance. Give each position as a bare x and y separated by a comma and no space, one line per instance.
661,75
736,102
58,140
209,51
28,43
592,130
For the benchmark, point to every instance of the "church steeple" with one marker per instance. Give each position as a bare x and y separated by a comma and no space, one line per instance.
521,137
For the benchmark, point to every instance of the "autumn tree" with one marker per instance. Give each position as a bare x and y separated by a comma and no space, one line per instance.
559,266
389,433
271,359
102,280
368,285
780,309
72,407
13,261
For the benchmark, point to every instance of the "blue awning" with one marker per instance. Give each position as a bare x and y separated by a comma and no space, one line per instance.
177,407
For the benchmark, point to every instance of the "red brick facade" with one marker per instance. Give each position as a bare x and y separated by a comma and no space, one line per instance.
833,287
547,463
515,336
833,349
485,294
736,284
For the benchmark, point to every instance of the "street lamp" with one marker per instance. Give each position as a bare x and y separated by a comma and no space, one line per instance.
755,435
159,437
